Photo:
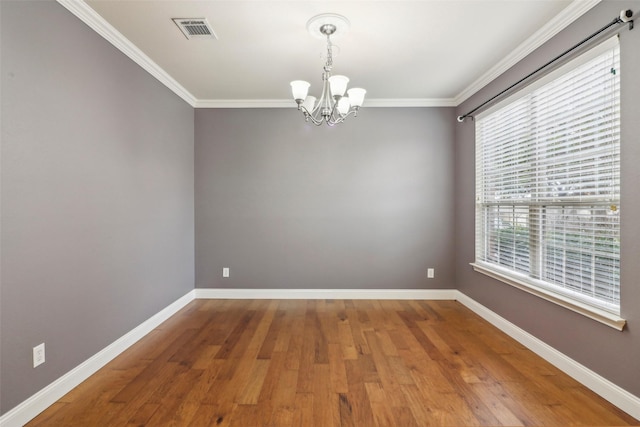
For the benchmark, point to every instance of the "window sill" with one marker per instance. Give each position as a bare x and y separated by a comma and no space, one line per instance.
601,316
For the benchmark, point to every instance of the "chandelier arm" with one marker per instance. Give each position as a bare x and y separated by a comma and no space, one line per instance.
314,115
334,109
309,116
336,113
336,121
315,121
341,118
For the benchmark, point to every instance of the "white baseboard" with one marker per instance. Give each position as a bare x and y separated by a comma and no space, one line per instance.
40,401
600,385
37,403
417,294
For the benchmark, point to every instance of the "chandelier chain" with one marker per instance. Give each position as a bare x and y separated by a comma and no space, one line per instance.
329,64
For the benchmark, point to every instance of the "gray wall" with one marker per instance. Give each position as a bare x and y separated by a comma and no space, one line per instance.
614,355
284,204
97,195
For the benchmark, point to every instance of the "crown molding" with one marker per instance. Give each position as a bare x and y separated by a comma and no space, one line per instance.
411,102
289,103
245,103
568,15
97,23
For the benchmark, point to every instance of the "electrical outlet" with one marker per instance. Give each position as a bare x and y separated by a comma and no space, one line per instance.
225,272
431,273
38,355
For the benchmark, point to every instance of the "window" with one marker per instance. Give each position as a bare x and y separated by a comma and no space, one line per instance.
548,183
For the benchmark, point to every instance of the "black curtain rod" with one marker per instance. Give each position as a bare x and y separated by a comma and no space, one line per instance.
624,18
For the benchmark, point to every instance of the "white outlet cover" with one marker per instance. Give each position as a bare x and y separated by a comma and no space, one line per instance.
225,272
38,355
430,273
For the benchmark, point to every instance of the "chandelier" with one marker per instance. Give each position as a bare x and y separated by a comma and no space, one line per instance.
334,106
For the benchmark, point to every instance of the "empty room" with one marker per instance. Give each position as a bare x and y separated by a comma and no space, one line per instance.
319,213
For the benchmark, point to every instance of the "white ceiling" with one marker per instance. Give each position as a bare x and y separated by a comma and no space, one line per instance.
432,52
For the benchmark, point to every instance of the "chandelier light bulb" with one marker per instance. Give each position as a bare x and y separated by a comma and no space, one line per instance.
299,88
343,105
309,103
338,85
356,95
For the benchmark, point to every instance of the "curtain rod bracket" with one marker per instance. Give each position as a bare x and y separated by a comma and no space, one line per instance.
626,16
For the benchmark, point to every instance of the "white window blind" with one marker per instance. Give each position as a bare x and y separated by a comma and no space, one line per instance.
548,182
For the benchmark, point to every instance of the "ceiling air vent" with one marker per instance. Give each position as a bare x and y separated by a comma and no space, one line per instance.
195,28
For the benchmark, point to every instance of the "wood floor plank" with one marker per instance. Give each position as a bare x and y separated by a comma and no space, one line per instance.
320,342
273,375
233,338
303,416
380,407
296,334
326,409
347,418
293,312
244,416
307,354
284,394
271,337
357,330
421,413
404,417
503,402
282,417
499,407
357,395
328,363
143,415
213,415
256,377
337,370
347,344
387,378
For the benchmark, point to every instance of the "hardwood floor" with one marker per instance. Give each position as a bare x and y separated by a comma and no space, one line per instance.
329,363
